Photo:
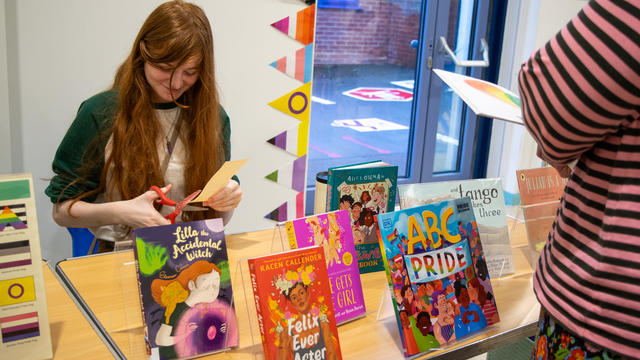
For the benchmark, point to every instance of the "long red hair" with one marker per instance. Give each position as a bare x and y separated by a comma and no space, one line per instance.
174,33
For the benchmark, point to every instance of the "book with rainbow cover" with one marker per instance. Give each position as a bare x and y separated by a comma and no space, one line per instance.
437,275
333,232
294,307
185,289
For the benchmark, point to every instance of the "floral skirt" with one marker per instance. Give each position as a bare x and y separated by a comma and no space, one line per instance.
555,342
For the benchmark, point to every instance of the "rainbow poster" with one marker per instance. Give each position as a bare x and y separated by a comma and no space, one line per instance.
484,98
299,26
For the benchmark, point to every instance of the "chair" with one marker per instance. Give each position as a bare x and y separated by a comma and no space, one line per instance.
83,241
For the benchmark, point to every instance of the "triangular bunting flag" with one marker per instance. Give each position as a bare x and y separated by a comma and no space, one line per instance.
296,103
299,26
289,210
291,175
292,140
298,65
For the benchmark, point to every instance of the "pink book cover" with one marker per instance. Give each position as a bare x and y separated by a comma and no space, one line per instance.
333,232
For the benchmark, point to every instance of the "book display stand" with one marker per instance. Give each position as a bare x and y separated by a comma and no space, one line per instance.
538,219
250,342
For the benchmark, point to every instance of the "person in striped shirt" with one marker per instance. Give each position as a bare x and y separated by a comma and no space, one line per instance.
581,102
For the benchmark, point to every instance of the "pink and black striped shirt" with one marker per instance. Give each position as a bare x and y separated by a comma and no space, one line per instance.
581,100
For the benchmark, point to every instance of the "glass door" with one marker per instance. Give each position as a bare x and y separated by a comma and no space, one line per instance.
454,39
375,96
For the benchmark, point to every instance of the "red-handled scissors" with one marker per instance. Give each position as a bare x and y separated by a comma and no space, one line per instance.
178,206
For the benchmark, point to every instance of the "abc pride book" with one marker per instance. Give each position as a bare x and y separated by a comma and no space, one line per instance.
437,274
294,307
333,232
185,289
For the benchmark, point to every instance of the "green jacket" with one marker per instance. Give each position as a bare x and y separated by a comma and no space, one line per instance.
86,140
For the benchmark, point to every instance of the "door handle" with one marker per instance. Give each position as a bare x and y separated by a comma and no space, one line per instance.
468,63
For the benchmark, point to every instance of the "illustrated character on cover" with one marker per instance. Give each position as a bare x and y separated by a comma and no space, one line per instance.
378,202
408,301
478,295
423,331
443,328
368,227
365,198
196,287
305,332
471,317
333,243
356,210
346,201
319,239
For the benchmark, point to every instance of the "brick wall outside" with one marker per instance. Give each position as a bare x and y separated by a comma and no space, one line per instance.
380,33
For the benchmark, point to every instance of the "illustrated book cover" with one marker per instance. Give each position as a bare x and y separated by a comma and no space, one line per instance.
540,193
436,269
332,231
24,319
366,189
185,289
487,198
484,98
294,307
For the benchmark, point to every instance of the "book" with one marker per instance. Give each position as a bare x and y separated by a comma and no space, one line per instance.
366,189
24,318
440,287
332,231
487,198
540,193
185,289
294,307
540,185
484,98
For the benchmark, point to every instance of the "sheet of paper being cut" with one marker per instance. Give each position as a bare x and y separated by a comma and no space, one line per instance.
220,179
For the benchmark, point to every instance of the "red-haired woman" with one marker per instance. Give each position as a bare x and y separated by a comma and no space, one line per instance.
160,124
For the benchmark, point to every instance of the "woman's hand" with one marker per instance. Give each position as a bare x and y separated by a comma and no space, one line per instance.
139,212
226,199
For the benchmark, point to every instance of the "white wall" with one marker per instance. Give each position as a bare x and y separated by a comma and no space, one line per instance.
66,51
529,25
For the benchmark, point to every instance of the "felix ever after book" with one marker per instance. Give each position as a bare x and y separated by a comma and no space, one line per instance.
333,232
437,274
185,289
294,307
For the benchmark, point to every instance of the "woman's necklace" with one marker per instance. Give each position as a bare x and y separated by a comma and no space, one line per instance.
172,133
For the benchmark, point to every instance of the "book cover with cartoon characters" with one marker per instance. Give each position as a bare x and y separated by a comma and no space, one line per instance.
366,190
185,289
332,231
437,274
294,307
487,198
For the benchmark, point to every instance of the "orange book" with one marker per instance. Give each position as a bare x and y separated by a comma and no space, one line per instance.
293,301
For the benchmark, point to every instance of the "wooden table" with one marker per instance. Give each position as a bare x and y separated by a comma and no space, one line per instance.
106,285
72,336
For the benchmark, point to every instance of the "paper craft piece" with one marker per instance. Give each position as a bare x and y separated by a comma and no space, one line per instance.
484,98
15,253
295,103
18,327
291,175
293,140
289,210
299,26
220,179
298,65
13,216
